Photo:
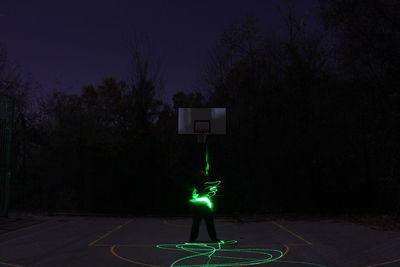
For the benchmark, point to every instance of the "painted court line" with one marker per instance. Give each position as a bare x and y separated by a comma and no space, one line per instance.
16,231
384,263
287,246
126,245
113,247
112,250
109,233
9,264
24,228
165,221
287,250
292,233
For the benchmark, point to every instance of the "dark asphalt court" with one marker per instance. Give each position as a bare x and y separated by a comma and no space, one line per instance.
109,241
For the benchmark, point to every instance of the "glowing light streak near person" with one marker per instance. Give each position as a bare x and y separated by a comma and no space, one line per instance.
207,163
204,200
237,256
212,188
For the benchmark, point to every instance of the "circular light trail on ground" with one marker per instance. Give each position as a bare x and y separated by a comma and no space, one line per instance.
213,255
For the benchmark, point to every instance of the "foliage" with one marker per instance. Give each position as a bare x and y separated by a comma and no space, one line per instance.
312,125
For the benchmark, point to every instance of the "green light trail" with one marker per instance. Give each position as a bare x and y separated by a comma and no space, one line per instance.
213,255
194,194
207,163
205,200
212,188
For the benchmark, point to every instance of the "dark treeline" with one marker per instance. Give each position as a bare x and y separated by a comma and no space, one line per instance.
313,125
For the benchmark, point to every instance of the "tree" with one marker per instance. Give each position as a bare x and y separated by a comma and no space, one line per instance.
18,84
145,80
368,55
239,41
280,116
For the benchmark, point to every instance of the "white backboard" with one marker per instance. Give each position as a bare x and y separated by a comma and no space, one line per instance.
193,120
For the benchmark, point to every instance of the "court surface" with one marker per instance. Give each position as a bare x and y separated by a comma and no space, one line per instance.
111,241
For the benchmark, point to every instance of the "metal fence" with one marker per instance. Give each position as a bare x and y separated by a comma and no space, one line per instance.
6,125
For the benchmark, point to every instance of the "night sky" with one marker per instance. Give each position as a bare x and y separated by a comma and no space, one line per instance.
68,44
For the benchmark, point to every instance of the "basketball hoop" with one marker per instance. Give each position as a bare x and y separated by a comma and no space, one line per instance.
202,121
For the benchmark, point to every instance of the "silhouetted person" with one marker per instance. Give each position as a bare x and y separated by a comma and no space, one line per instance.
200,210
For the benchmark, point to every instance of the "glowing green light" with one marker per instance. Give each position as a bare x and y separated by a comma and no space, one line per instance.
213,250
194,194
214,258
207,163
204,200
212,187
